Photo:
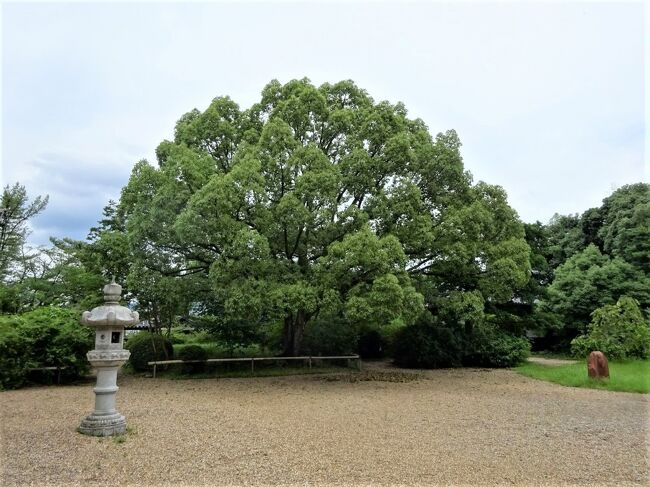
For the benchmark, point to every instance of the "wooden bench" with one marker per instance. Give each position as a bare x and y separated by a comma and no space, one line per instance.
58,371
310,359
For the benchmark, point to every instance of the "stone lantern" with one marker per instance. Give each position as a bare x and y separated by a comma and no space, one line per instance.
109,321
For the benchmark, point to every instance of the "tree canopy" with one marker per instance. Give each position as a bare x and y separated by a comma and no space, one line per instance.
15,212
322,213
18,262
584,262
316,201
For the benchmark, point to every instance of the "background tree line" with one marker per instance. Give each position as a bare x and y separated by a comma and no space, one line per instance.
321,221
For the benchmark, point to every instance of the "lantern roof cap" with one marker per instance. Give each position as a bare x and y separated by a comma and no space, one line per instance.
111,313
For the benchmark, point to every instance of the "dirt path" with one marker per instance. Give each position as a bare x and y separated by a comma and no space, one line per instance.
554,362
454,427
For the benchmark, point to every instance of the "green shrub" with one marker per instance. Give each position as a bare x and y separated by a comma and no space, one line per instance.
488,346
44,337
231,333
193,352
432,344
180,336
379,343
428,346
371,345
199,337
619,331
177,337
14,359
332,337
148,347
389,333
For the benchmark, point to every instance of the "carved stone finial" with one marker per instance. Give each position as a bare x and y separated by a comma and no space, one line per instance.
112,292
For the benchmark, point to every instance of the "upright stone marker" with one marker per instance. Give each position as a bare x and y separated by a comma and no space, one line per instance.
597,366
109,322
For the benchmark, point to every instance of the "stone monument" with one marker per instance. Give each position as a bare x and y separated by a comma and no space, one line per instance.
597,366
109,321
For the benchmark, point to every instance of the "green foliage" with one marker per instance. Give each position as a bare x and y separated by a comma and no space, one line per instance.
19,264
565,239
193,352
488,346
482,250
15,212
371,345
589,280
619,331
335,337
626,376
388,335
218,350
428,345
541,272
14,356
582,262
459,307
11,298
148,347
45,337
230,331
319,207
625,230
69,279
183,335
432,344
314,203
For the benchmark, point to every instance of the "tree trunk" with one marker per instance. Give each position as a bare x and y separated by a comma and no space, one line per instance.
298,332
294,328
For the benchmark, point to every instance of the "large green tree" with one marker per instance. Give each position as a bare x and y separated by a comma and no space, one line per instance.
15,212
18,262
620,227
589,280
594,259
318,201
625,228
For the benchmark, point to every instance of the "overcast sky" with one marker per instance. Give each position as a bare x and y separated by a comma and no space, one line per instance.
548,98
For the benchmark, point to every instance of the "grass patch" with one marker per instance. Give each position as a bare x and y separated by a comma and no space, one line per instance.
121,438
626,376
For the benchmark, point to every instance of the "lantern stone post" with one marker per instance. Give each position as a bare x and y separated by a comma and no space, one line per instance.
109,321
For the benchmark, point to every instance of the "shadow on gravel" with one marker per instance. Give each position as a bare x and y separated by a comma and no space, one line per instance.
374,375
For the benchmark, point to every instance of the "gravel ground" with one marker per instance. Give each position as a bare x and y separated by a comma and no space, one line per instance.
450,427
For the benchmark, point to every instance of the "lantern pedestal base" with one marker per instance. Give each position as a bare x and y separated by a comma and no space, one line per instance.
103,425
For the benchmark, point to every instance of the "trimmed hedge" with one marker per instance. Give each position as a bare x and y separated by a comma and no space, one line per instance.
193,352
148,347
489,346
430,346
329,337
427,346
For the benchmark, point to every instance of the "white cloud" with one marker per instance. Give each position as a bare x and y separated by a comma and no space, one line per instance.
547,98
